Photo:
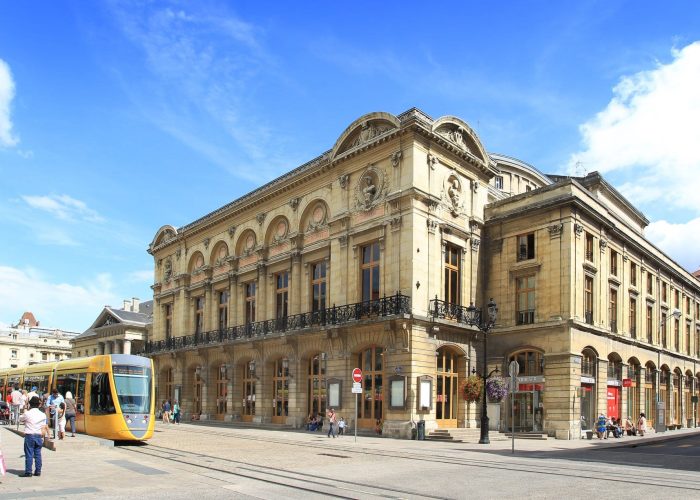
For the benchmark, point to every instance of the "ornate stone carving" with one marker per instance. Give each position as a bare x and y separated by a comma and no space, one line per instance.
343,180
473,226
370,189
395,223
343,240
168,272
178,253
475,186
396,158
206,242
454,195
555,230
432,161
368,132
578,229
280,231
432,225
475,244
231,231
317,218
294,203
261,217
603,245
454,134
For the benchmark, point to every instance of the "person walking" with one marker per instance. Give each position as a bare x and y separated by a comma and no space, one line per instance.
166,412
642,424
55,399
15,403
176,412
332,420
71,411
341,426
35,429
61,417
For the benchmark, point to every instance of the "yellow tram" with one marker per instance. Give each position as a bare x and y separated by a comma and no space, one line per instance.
114,392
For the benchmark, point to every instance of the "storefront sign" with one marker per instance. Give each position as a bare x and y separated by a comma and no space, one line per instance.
587,380
627,382
614,383
531,380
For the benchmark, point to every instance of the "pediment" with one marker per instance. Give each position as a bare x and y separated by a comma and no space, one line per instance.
461,135
365,130
106,318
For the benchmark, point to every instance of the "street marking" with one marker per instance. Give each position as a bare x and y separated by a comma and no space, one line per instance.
134,467
54,493
685,446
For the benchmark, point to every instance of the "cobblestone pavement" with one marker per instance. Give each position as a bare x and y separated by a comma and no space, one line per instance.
189,461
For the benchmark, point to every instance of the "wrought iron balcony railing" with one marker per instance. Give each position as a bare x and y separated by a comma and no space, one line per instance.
336,315
446,310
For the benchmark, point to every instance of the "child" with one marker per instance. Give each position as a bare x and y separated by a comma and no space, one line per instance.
61,420
341,426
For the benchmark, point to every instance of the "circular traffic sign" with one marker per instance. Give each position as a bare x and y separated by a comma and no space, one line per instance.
357,375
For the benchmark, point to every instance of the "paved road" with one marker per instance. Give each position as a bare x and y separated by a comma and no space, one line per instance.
214,462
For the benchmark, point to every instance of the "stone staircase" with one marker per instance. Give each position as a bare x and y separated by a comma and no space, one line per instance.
528,435
463,435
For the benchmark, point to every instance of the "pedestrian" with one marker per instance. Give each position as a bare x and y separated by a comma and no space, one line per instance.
71,411
166,412
31,395
176,412
35,429
601,427
341,426
642,424
61,420
15,403
55,399
332,419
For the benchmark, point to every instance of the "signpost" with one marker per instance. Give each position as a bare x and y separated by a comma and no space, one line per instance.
513,370
356,389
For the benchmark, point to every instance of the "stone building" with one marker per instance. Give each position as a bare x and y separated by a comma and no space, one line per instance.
370,255
27,343
117,331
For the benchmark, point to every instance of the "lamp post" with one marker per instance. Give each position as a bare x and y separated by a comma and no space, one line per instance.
676,314
477,320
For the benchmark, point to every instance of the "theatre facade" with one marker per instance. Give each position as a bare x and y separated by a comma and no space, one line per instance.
369,257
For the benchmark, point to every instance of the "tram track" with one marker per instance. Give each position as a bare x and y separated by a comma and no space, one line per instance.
598,471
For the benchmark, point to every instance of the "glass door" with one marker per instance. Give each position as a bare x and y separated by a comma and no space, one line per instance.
524,411
222,392
447,384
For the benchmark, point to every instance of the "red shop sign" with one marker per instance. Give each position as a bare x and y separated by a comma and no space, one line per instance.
626,382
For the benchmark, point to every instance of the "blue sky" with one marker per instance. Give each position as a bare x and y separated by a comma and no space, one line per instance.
119,117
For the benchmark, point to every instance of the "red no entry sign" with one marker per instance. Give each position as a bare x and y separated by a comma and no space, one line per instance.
357,375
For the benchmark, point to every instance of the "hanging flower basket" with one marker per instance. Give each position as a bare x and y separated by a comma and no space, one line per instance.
471,390
496,389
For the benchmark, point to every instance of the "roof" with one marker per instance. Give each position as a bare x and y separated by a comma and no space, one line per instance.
110,316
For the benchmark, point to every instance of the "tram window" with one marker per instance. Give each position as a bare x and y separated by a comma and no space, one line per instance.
67,382
41,382
133,388
101,402
80,393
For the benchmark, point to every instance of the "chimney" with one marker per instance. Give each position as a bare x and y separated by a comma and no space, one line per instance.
135,304
127,305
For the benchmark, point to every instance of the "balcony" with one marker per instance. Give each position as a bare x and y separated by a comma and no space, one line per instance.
526,317
446,310
332,316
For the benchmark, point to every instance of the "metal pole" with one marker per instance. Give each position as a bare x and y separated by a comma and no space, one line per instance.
356,417
484,439
512,420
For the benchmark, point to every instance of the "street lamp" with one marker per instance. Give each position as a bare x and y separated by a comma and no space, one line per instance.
476,319
676,314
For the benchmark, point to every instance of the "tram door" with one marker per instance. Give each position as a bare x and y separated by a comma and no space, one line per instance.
80,403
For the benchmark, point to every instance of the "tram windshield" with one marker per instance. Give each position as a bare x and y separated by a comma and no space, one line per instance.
133,385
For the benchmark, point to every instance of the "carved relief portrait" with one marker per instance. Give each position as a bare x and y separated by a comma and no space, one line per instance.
454,194
370,188
318,217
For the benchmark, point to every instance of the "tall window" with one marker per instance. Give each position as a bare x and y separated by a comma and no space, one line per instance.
650,324
199,314
318,286
281,295
650,283
526,246
280,388
223,309
371,362
664,296
531,363
677,335
613,310
525,293
588,299
589,247
697,343
317,384
633,318
633,274
664,329
249,380
222,391
687,338
370,272
498,181
676,299
250,302
613,262
452,273
168,313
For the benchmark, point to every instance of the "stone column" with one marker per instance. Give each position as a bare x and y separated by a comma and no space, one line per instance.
681,382
108,347
127,346
100,348
295,284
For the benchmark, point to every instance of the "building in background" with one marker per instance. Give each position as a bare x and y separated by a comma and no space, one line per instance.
370,255
116,331
27,343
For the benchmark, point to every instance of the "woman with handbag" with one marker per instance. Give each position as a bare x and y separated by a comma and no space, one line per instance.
71,412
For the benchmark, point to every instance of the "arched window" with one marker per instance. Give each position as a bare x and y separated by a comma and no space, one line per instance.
447,384
588,363
317,384
531,363
371,362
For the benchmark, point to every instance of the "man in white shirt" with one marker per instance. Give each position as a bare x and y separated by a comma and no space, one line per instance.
16,403
35,429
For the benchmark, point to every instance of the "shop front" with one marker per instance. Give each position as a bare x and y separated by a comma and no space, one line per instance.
588,406
527,406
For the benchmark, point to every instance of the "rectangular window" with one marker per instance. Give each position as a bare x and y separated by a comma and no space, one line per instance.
250,302
14,353
452,274
588,299
613,262
101,402
633,274
223,309
697,343
688,311
498,181
318,286
589,247
613,310
525,293
370,272
199,314
650,283
168,313
633,318
44,356
281,295
676,299
664,296
526,246
664,329
677,335
687,338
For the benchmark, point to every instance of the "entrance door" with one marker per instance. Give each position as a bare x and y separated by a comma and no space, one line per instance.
613,402
524,411
447,384
222,392
248,392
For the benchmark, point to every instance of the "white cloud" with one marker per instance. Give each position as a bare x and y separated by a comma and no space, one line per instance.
144,276
66,306
63,207
7,93
649,130
681,241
